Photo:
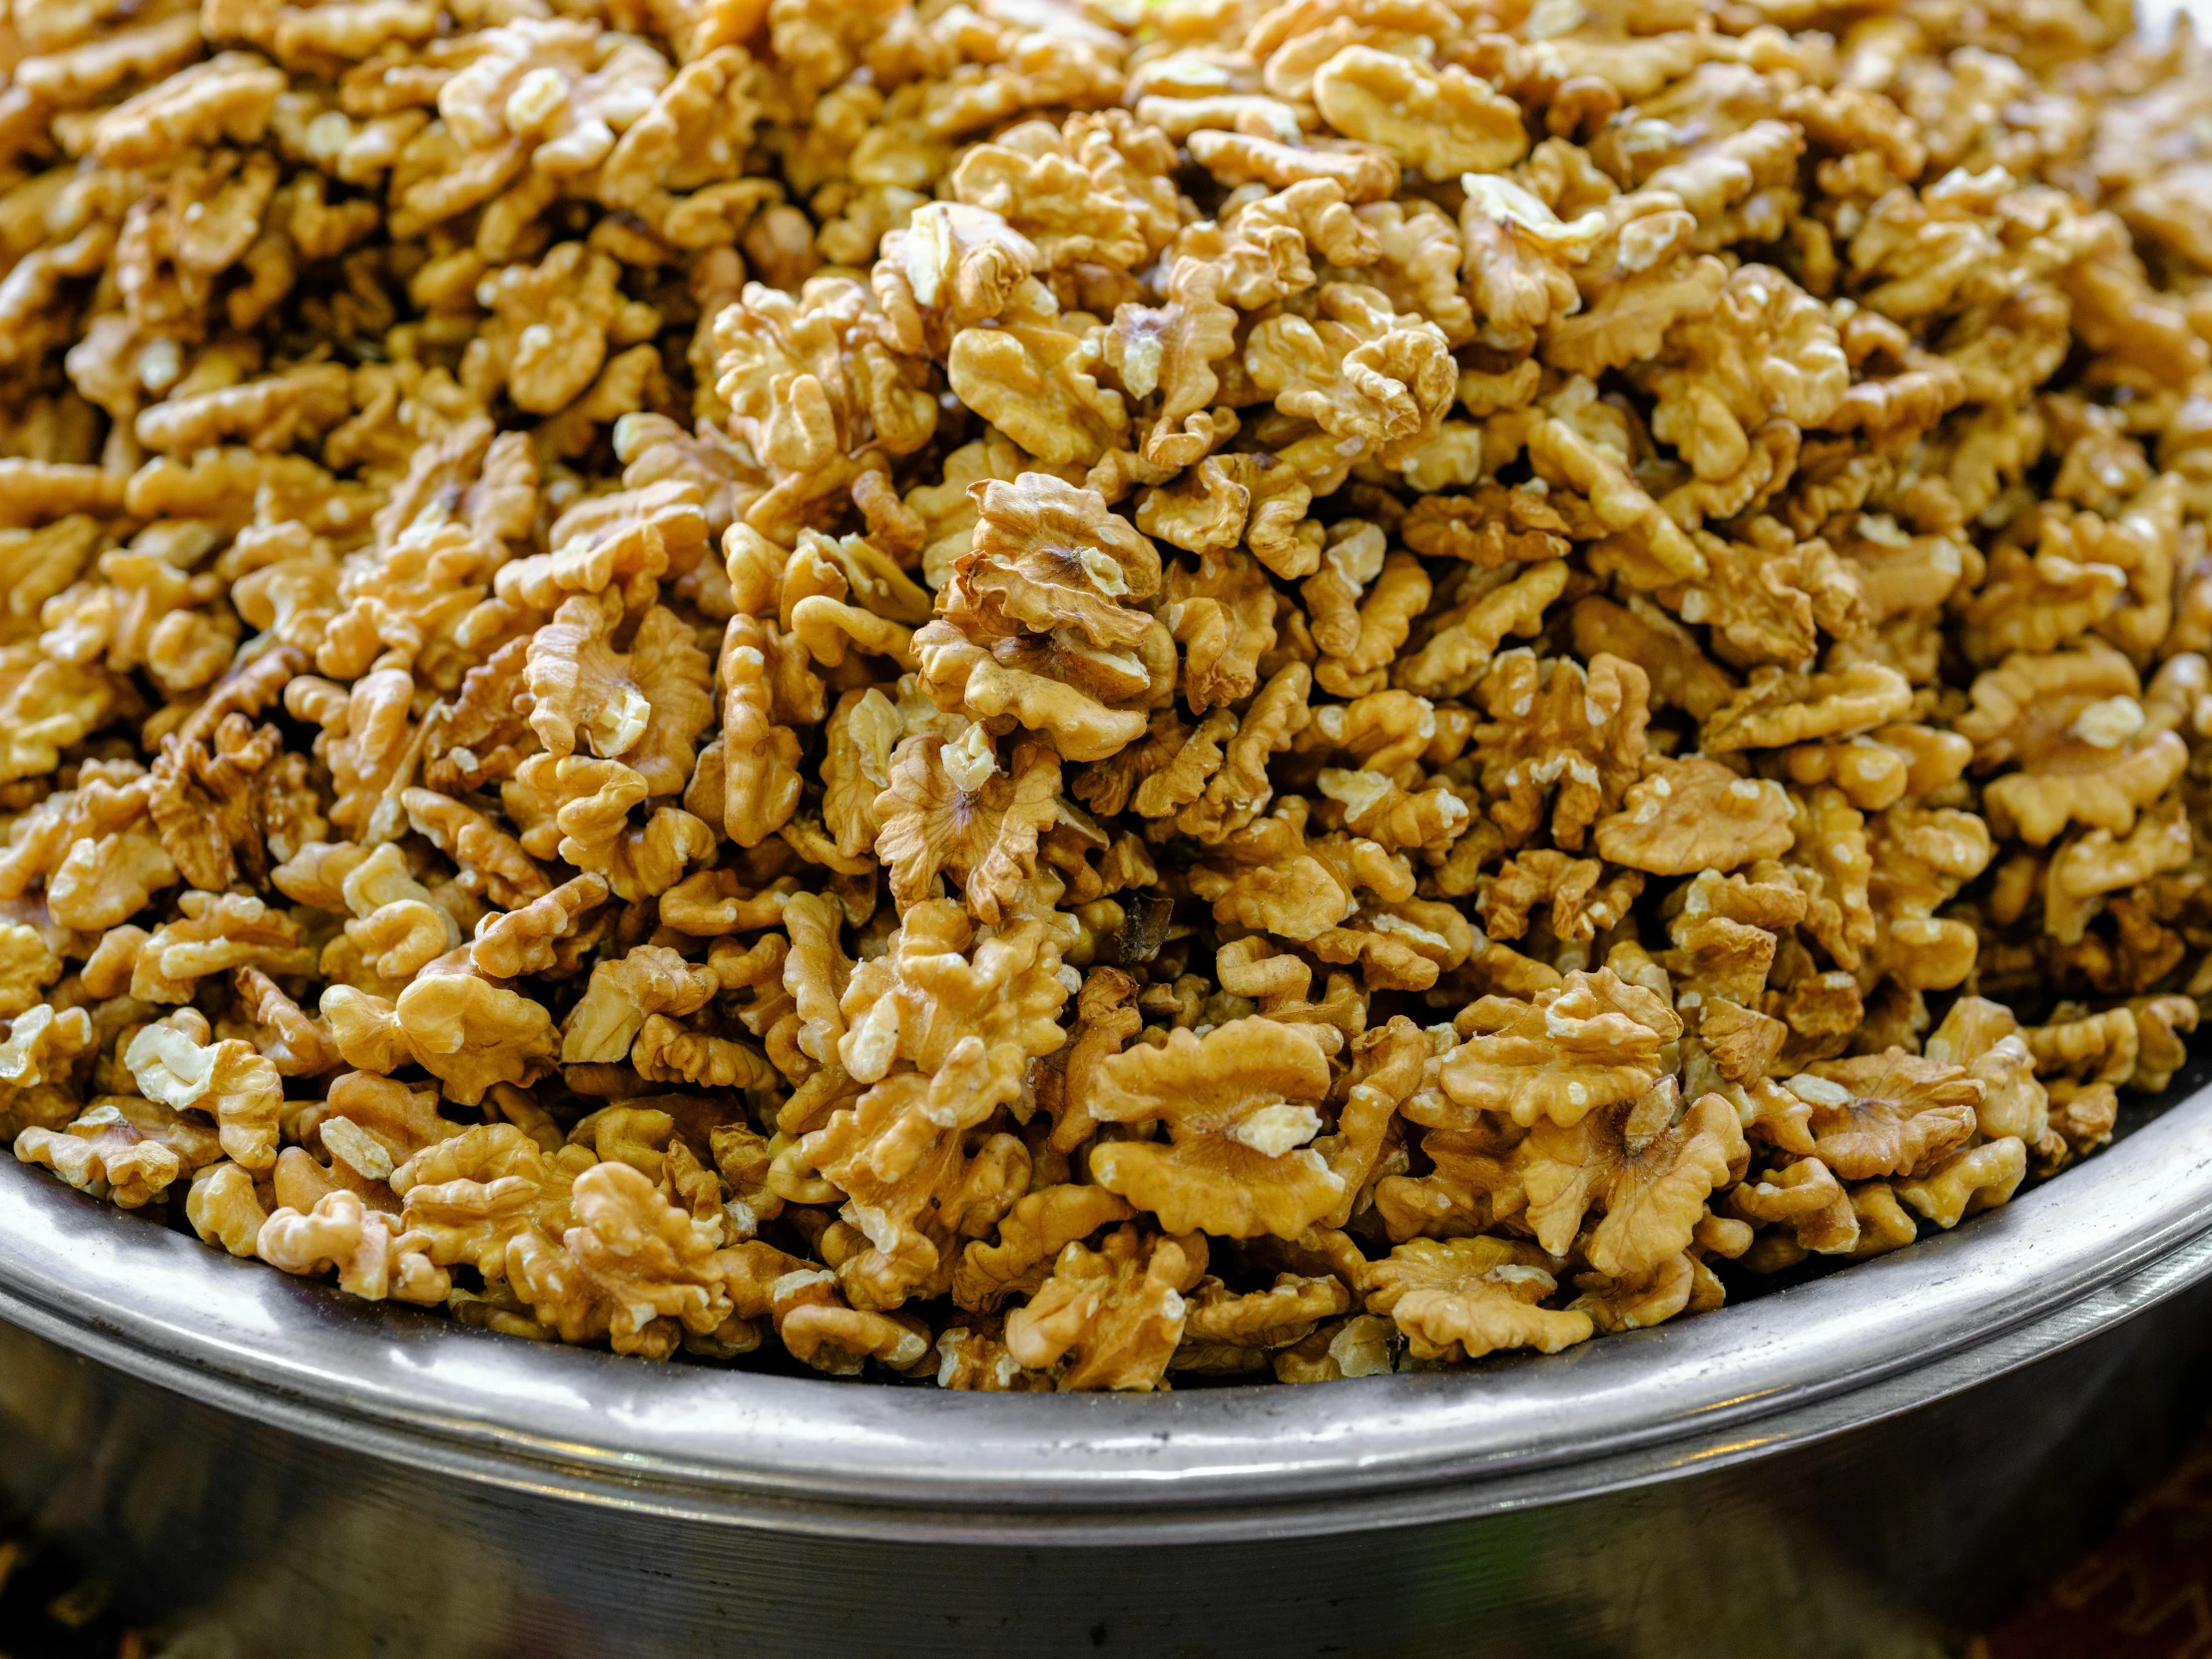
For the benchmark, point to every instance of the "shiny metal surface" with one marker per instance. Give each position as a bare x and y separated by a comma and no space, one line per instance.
1889,1445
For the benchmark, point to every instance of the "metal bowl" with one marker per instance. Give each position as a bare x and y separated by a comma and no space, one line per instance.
1855,1464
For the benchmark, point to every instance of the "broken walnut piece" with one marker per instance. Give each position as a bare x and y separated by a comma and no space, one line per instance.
1110,1318
1240,1104
1648,1165
1593,1041
1693,813
1460,1299
949,808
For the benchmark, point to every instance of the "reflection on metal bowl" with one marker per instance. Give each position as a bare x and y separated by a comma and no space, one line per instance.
1857,1464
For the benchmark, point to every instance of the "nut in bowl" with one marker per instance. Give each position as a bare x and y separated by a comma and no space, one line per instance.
1068,696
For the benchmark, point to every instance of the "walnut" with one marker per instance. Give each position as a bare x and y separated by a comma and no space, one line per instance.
758,759
42,1043
1806,1196
1360,370
1582,899
645,862
1879,1114
49,704
1365,173
1032,1235
1877,770
1983,1037
1273,876
1239,1105
1694,815
1647,1169
2074,724
491,860
230,96
626,539
1831,861
1680,1282
651,980
989,663
222,808
1967,1181
374,1259
665,1052
1392,817
472,1194
981,1000
1039,384
1361,641
1469,1297
2081,1122
143,613
223,1209
1228,1334
1047,556
1096,190
1767,348
227,1080
1558,730
295,1044
635,1262
1222,615
2090,865
27,967
1779,708
1921,858
1725,932
92,846
123,1149
465,1031
949,808
215,935
1111,1318
580,690
2108,1048
818,1331
1358,1347
1592,1041
1768,596
1488,527
2160,1024
1443,122
809,390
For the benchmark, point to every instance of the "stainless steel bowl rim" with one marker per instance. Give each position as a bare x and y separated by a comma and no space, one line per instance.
2055,1266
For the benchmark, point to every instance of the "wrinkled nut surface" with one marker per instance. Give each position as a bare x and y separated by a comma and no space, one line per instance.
1066,697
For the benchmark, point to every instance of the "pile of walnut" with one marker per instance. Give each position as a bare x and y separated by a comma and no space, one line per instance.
1047,694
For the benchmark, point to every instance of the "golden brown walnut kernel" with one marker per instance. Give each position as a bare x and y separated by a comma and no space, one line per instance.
1239,1104
950,808
1464,1298
1562,734
1035,1230
127,1150
1779,708
1592,1041
944,990
1694,815
1648,1169
2074,725
375,1259
1807,1196
1878,1114
1443,122
1109,1318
